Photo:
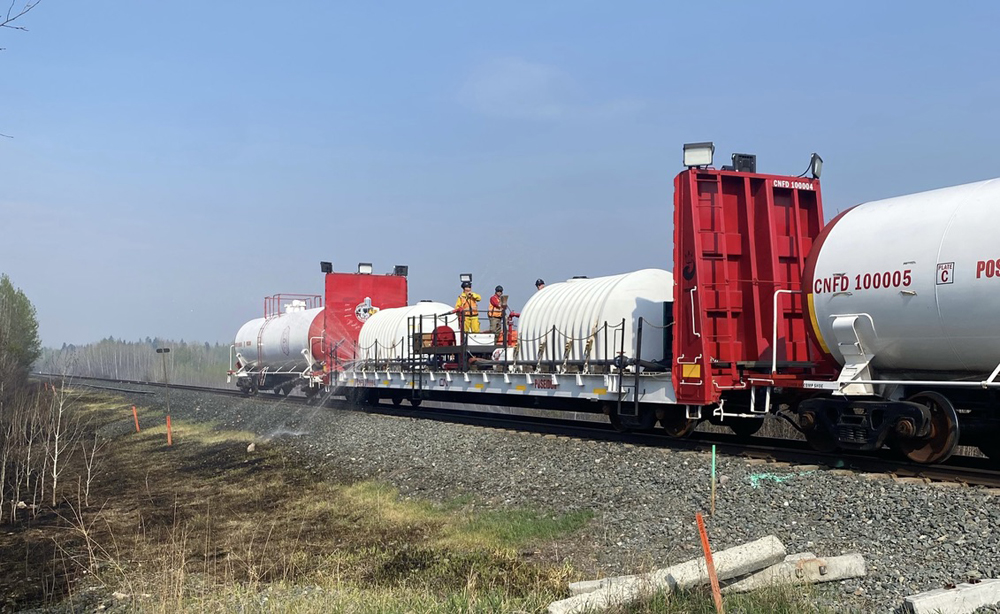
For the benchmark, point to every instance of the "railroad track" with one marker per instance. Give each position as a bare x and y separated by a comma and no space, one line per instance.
959,469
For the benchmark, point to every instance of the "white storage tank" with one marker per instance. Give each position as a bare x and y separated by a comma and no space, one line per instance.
277,343
386,335
922,272
579,310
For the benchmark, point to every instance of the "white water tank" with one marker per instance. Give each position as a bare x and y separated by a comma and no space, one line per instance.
579,309
277,343
388,334
920,275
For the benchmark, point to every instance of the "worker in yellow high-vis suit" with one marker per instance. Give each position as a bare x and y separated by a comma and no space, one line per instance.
467,308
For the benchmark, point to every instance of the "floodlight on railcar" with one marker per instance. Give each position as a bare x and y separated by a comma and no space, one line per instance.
326,267
365,268
400,270
744,163
465,277
815,165
698,154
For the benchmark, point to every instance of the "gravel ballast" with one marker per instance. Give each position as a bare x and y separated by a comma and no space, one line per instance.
914,537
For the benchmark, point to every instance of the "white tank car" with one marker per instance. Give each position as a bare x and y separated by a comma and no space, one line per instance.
579,310
387,335
916,277
290,341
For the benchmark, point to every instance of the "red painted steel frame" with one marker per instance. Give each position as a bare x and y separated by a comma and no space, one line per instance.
347,294
739,238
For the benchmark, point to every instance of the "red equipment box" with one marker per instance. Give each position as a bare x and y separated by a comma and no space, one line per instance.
351,298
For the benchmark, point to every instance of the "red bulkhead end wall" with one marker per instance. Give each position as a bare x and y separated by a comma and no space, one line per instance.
351,298
738,239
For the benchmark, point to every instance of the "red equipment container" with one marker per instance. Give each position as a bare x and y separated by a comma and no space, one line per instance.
350,299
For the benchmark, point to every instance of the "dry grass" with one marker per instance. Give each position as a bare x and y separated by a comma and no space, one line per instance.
206,525
772,601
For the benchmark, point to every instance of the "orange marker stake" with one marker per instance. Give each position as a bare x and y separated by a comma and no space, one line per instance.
710,564
135,415
170,442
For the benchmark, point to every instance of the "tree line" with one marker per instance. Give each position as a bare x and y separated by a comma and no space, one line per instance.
202,364
35,420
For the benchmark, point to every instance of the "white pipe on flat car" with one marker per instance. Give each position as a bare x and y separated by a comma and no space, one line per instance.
774,335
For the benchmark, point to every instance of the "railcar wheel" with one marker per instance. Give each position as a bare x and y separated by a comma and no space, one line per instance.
647,420
942,440
397,401
616,423
415,402
820,440
745,427
614,419
677,424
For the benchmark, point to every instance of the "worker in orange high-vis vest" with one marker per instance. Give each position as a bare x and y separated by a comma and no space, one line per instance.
496,311
467,308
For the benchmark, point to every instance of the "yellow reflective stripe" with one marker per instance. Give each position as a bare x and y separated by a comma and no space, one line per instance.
815,324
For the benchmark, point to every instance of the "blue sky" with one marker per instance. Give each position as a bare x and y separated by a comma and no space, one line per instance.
173,163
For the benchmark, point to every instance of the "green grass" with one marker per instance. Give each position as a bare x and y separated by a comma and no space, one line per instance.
511,528
779,600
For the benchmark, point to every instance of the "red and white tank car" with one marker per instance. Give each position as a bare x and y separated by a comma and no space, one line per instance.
903,293
302,339
876,329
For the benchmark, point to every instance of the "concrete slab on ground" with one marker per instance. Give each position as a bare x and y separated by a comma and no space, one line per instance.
962,599
609,592
802,568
